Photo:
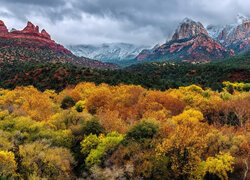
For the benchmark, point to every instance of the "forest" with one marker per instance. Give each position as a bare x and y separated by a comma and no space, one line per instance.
101,131
161,76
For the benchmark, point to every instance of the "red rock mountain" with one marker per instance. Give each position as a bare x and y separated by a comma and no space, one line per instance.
189,43
31,46
31,32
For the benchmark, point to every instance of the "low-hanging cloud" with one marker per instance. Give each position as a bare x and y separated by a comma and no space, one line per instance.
97,21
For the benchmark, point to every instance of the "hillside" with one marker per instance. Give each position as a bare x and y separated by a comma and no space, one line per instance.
149,75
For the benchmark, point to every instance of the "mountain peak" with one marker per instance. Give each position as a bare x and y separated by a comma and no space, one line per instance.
242,19
187,20
45,34
188,28
31,28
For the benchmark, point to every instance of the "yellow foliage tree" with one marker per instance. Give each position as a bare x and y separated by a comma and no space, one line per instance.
30,101
186,144
8,164
219,166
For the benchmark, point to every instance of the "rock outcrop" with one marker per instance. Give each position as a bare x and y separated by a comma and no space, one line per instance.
3,28
45,34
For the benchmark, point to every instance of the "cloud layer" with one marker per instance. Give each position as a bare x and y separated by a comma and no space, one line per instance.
98,21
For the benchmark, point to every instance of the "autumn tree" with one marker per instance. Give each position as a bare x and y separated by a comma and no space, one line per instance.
41,160
8,164
185,145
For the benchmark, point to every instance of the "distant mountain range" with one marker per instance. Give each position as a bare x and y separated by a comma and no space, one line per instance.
31,46
108,52
191,42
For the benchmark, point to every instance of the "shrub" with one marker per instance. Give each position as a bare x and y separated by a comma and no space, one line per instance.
80,106
67,102
145,129
92,126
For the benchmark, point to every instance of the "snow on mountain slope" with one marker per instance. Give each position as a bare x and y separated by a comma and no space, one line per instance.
215,30
108,52
235,37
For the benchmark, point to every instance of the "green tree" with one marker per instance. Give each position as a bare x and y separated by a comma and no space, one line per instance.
92,126
145,129
67,102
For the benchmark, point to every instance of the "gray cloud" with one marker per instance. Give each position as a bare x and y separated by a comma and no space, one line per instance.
97,21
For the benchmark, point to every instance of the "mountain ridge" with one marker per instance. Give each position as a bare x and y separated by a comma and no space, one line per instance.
32,32
233,36
107,52
30,45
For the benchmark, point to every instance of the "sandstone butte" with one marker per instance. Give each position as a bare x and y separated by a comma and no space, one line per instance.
31,32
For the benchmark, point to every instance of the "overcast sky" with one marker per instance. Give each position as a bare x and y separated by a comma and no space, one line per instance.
103,21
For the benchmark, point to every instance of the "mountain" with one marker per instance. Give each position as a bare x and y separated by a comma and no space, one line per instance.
107,52
31,46
31,32
233,36
190,43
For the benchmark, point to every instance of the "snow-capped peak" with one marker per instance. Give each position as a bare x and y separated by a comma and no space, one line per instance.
241,18
187,20
107,52
214,30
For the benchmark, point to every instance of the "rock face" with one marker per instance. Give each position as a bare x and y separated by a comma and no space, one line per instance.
187,29
238,39
190,43
45,34
3,28
31,32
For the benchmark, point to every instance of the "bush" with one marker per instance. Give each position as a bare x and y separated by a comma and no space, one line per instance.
67,102
80,106
92,126
145,129
105,147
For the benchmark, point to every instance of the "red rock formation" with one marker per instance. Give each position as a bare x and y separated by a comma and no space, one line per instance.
31,32
3,28
45,34
31,28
